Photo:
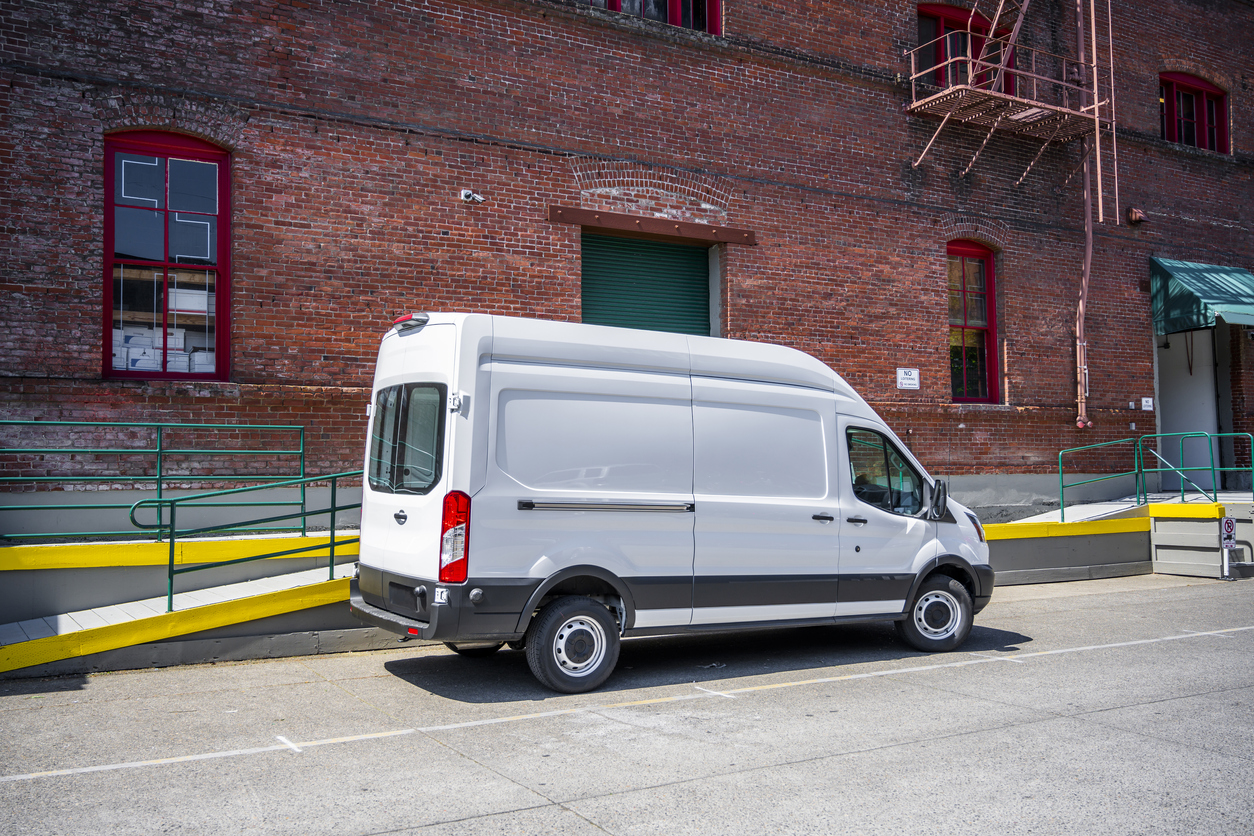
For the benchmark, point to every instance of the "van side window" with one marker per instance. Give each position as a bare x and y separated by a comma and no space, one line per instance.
407,439
881,476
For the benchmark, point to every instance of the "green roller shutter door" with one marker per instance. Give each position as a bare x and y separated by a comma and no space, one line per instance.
646,284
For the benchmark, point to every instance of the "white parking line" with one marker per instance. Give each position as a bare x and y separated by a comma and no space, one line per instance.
289,744
286,744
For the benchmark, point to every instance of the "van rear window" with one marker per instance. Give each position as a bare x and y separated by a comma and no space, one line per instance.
407,438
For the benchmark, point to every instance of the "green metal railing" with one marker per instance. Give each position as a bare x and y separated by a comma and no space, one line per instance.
1141,454
170,529
161,459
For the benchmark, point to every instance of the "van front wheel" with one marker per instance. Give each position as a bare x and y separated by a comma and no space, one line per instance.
940,617
572,645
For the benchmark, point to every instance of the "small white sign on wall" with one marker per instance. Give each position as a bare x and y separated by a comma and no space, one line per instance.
907,378
1147,404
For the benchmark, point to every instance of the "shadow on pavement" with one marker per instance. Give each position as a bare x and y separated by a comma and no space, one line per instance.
672,660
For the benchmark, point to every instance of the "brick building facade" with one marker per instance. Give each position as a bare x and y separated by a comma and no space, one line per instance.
348,132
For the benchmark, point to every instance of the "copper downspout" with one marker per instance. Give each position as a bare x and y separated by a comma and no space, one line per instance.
1081,345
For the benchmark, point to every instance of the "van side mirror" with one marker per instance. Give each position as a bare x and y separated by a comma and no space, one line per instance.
938,501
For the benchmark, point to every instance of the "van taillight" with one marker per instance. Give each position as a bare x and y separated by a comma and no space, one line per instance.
454,532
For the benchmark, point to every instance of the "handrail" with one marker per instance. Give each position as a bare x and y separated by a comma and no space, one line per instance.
174,532
146,463
1062,486
1140,471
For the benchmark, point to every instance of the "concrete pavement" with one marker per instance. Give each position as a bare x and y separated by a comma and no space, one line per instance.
1115,706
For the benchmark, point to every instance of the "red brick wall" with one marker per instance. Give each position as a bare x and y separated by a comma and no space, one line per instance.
354,125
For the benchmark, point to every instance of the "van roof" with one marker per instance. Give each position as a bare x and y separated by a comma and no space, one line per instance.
573,343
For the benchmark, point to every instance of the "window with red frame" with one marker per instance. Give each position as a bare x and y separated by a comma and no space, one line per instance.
972,323
702,15
1193,112
167,246
951,41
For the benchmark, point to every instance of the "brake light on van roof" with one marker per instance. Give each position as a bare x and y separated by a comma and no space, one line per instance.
409,322
454,535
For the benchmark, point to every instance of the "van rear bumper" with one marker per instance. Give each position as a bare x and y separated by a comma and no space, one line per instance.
456,620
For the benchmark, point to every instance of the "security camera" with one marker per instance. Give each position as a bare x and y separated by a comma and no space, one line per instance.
470,197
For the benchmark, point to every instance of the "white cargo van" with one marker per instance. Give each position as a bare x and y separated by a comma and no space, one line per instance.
558,486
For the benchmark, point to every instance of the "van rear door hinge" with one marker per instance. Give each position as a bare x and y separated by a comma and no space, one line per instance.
458,400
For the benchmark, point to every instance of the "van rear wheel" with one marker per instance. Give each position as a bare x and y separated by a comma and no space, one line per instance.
572,645
474,651
940,616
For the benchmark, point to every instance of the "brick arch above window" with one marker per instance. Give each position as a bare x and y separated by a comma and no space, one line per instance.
213,122
987,232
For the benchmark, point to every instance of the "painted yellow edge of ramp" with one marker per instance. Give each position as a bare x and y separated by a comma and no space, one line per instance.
1019,531
111,555
1135,520
169,625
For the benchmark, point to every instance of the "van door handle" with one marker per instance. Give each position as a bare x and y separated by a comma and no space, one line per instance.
823,517
400,517
856,520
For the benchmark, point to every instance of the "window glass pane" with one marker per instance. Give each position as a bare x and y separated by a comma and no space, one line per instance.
191,339
139,234
138,180
631,7
956,314
956,52
904,483
407,438
1162,111
968,364
193,238
976,313
193,186
975,274
1185,120
927,54
1212,123
700,21
881,475
655,10
138,295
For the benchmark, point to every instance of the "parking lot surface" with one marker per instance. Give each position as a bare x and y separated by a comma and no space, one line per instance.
1120,706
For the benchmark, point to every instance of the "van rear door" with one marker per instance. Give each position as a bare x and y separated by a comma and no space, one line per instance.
407,467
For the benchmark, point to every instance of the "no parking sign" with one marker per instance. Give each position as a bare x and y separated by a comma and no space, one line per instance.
1228,533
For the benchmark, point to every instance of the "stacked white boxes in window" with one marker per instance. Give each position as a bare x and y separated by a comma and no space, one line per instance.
191,301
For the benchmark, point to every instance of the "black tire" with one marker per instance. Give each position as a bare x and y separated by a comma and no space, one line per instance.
940,616
518,645
572,645
474,651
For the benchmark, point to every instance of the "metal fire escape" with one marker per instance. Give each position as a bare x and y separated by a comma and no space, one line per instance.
986,77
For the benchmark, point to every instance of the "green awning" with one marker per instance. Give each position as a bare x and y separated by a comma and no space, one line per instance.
1186,296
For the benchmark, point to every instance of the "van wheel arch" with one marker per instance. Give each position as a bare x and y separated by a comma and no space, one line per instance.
589,581
950,565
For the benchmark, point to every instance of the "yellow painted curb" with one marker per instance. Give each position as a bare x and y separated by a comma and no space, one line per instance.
1183,511
169,625
110,555
1081,528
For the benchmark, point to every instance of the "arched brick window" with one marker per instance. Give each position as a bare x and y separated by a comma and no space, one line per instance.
166,256
1192,112
972,323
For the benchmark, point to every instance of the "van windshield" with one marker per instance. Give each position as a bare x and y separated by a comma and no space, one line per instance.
407,438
